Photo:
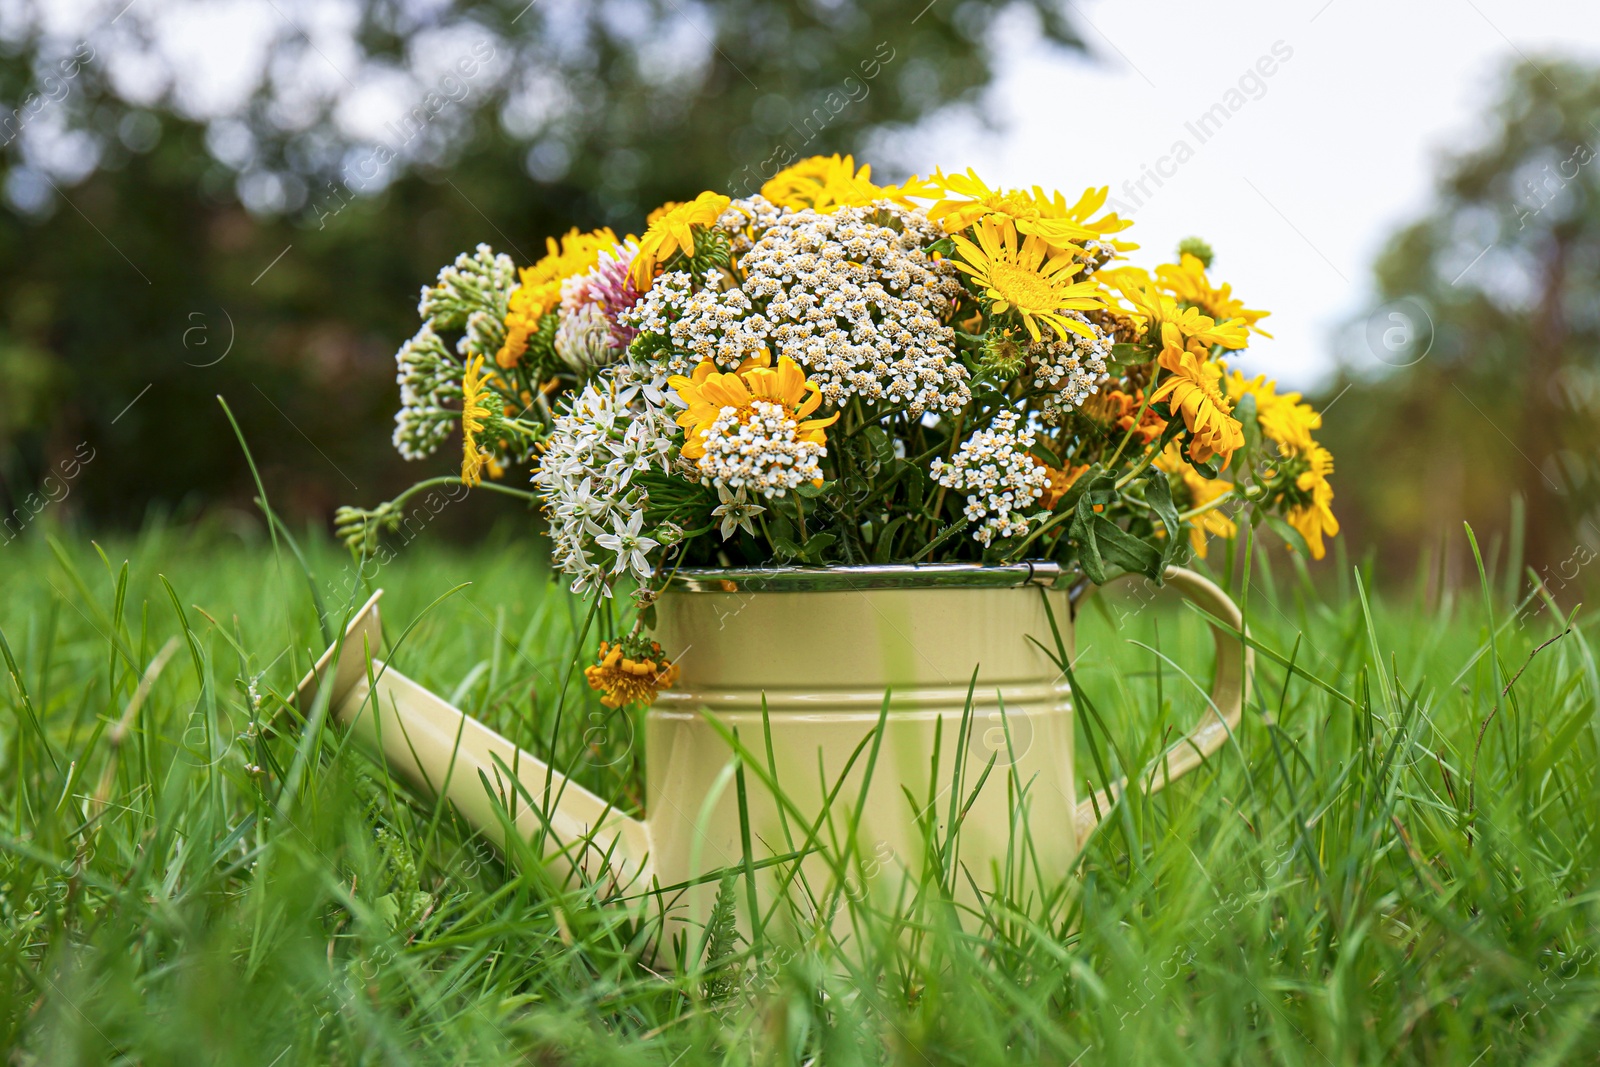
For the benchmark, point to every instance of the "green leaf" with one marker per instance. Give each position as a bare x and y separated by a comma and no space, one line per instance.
1102,543
1121,549
1129,355
880,550
1290,535
1042,451
815,550
882,445
1158,494
1244,409
811,491
783,548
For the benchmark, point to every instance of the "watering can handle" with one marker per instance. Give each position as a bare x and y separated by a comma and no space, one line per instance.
1234,666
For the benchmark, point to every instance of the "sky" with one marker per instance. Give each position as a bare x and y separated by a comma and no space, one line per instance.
1299,188
1327,122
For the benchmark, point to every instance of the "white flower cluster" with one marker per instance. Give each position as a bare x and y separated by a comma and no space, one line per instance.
860,305
857,303
1002,480
702,324
471,294
428,376
605,436
1071,369
747,218
763,452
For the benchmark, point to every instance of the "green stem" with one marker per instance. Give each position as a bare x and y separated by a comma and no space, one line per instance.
1203,508
1148,458
1055,520
454,479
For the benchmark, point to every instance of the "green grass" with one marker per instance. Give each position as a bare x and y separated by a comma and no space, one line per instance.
1397,862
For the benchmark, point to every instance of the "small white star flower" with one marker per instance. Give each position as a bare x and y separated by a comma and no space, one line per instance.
735,512
630,545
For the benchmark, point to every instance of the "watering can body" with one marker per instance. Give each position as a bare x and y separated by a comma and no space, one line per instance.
834,727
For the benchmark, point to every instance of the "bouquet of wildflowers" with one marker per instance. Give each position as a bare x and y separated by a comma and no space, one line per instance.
835,372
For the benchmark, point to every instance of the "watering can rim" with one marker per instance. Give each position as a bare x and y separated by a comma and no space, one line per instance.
855,578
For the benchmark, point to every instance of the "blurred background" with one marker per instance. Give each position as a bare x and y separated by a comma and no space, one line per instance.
243,197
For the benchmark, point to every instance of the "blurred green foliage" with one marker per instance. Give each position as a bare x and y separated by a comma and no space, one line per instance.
1487,407
285,277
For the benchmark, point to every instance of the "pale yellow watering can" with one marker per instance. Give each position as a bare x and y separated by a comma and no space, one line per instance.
795,662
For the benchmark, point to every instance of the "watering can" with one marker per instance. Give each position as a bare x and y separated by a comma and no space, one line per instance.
882,703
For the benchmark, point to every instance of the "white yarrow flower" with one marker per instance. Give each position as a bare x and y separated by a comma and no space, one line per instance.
762,452
994,467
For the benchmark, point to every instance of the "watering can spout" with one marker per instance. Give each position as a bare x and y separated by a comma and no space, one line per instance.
439,750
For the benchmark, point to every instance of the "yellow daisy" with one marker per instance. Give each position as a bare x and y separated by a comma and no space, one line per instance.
1190,390
1054,207
671,230
1173,324
539,288
827,183
1022,280
1314,519
474,414
709,392
1187,282
1282,416
966,198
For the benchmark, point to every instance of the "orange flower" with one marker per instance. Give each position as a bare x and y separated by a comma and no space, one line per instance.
1118,408
629,679
1060,482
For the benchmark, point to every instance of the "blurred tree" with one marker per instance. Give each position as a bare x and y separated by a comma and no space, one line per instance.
1488,340
244,199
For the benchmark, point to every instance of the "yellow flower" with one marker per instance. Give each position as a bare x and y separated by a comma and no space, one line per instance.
672,229
1035,213
1202,491
1024,281
629,680
539,290
709,392
1055,207
1282,416
827,183
1190,390
1314,519
1186,281
474,413
1173,324
965,199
